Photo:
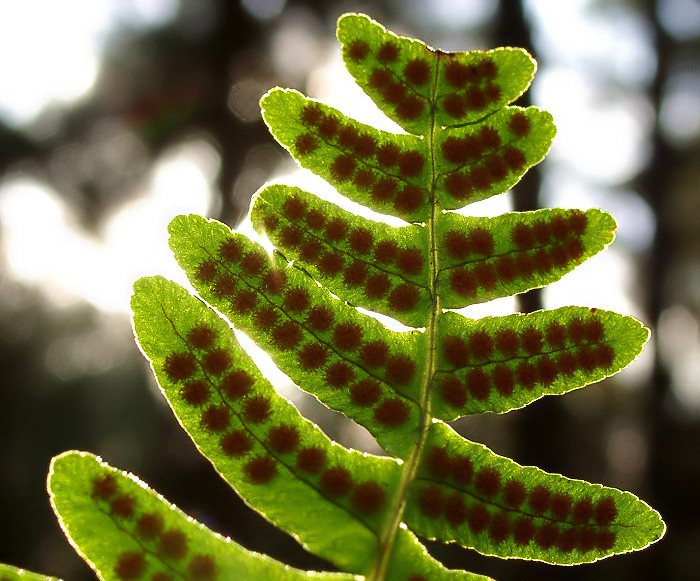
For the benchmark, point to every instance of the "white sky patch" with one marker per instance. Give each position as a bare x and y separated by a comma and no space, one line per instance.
50,51
43,246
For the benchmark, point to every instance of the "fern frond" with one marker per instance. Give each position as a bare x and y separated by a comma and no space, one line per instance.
307,304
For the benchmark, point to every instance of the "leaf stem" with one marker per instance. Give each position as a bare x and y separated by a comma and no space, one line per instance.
388,536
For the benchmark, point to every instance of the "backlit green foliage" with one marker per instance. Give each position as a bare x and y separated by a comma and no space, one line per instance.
463,142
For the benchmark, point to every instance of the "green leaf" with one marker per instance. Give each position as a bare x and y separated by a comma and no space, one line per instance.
258,441
465,493
502,363
348,360
315,303
10,573
124,530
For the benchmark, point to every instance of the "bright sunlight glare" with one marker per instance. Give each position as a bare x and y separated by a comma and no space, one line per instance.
42,246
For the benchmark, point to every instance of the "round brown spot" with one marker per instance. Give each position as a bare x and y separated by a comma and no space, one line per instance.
392,412
149,525
312,356
347,336
104,486
540,499
507,342
462,469
514,493
514,158
180,366
526,373
123,506
409,107
305,143
400,369
320,318
582,511
339,374
201,337
411,163
331,263
374,353
266,317
252,263
410,261
290,236
455,106
231,249
360,240
500,527
236,443
457,245
195,392
388,52
347,136
315,219
365,392
287,336
202,568
377,286
523,531
355,274
478,518
256,409
454,392
387,154
130,565
274,281
547,536
216,361
236,384
463,282
216,418
336,229
260,470
328,127
408,200
458,74
417,72
172,544
431,501
310,250
459,185
357,50
439,462
561,505
404,297
456,510
481,345
488,481
311,459
283,439
296,300
343,167
532,340
294,208
312,114
455,350
386,252
336,481
206,271
365,145
383,190
503,379
368,497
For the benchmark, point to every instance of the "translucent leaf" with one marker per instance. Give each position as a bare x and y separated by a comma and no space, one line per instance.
502,363
10,573
465,493
124,530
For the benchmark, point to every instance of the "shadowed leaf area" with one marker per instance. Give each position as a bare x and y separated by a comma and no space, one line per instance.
463,142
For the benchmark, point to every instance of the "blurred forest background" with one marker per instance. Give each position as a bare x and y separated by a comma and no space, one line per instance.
116,115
